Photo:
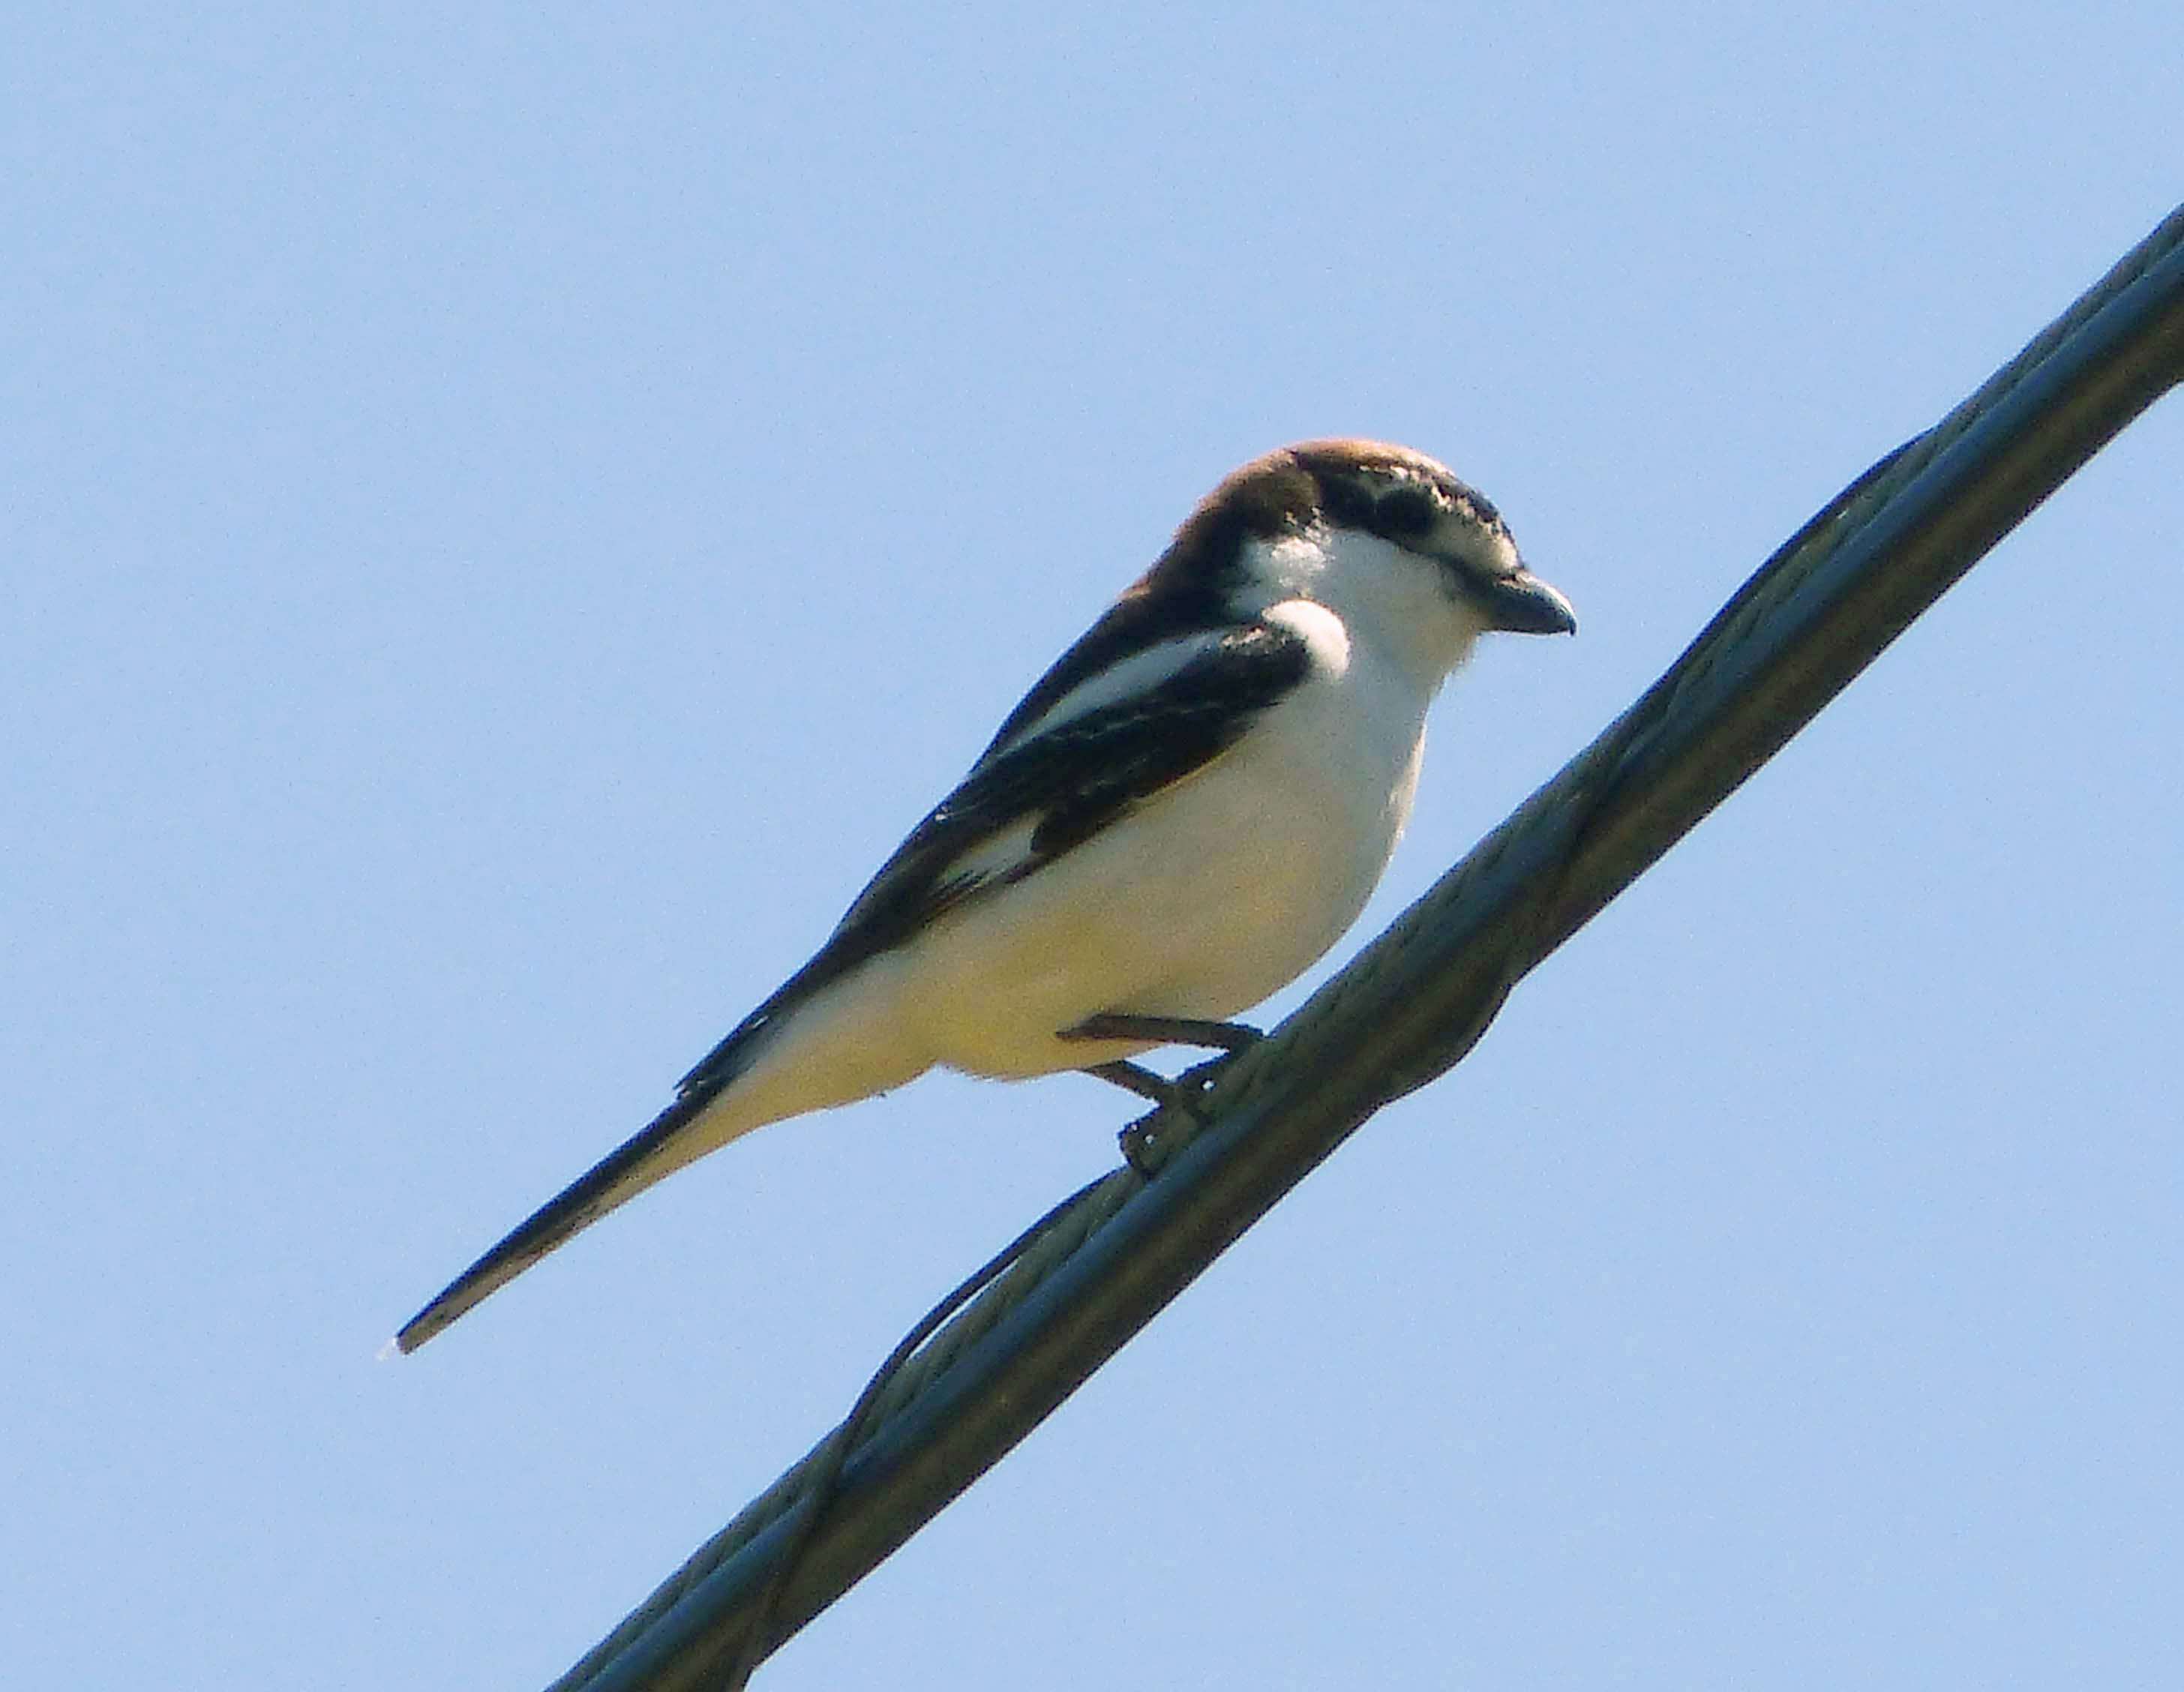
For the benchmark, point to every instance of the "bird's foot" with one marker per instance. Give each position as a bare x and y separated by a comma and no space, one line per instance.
1186,1093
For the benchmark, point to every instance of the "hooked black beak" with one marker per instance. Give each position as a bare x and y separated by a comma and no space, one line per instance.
1523,605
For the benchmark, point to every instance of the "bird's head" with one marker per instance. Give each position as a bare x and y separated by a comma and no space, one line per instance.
1418,505
1389,538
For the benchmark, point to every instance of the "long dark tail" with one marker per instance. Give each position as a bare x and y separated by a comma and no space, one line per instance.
650,1155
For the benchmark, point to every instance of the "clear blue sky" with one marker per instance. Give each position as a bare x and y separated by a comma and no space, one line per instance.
508,513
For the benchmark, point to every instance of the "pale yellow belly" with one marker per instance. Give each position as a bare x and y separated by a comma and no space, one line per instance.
1201,904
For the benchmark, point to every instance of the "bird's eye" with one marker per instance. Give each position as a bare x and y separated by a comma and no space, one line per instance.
1406,509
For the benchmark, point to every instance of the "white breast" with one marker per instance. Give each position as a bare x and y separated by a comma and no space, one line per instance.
1204,900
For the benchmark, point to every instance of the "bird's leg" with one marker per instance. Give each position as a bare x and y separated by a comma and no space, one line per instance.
1137,1078
1166,1030
1182,1093
1136,1139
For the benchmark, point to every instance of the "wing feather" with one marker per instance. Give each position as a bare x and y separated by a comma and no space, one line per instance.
1025,804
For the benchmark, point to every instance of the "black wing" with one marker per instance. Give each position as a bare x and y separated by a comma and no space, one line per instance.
1057,789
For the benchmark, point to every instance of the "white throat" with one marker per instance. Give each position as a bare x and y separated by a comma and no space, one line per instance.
1392,601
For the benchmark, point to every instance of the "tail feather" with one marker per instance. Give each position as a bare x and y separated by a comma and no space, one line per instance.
734,1076
651,1154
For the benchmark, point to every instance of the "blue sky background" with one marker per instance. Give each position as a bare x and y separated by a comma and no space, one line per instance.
510,513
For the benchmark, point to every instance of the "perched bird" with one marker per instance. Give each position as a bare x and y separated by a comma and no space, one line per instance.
1182,814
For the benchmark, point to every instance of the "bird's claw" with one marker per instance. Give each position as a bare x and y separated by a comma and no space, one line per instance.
1140,1141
